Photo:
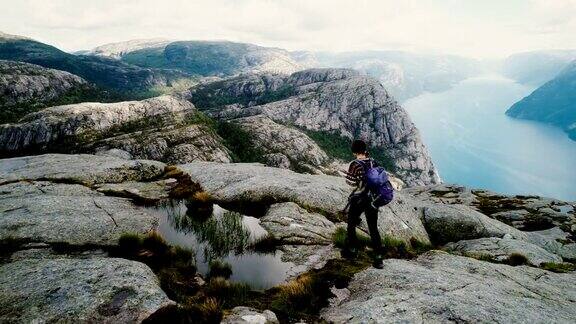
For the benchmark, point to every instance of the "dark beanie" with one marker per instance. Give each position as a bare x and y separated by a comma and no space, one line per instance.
359,146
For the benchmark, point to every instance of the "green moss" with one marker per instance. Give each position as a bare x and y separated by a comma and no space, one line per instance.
239,142
338,146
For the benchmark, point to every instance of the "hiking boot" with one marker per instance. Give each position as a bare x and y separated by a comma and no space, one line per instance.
377,263
349,254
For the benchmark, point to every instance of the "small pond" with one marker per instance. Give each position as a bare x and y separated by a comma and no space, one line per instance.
225,236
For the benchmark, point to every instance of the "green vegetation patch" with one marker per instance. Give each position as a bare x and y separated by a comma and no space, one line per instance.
239,142
338,146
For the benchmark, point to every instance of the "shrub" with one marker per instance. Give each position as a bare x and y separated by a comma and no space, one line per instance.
516,259
130,243
229,294
155,243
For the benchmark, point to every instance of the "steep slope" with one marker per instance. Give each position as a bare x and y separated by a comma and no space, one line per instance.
538,67
553,103
204,58
403,74
25,88
337,104
104,72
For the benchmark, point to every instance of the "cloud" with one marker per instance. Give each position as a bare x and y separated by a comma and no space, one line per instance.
475,28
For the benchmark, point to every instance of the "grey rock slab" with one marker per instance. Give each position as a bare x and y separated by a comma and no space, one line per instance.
62,213
78,168
144,191
247,315
452,223
554,241
78,290
251,182
500,249
442,288
292,224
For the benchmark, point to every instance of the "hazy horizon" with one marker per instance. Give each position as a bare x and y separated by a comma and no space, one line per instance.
479,29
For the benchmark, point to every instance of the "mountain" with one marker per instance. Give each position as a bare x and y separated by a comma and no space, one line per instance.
203,58
537,67
104,72
403,74
333,106
553,103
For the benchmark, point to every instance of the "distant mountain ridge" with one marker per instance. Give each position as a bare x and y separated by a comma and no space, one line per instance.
537,67
203,58
553,103
105,72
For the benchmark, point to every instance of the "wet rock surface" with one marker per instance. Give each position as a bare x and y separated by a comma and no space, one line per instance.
78,290
502,249
438,287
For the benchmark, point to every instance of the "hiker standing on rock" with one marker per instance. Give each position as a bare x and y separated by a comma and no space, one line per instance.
372,191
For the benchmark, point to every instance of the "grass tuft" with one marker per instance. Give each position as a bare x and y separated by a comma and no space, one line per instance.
558,267
220,269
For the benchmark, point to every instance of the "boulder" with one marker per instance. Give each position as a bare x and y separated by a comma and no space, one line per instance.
500,250
247,315
452,223
440,288
72,290
57,213
291,224
556,241
277,160
80,168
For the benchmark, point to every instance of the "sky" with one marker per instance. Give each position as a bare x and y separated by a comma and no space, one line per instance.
474,28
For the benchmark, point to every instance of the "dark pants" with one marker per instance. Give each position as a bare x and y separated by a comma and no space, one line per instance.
358,205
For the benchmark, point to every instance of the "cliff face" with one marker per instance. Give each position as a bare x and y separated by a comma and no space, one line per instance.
336,101
553,103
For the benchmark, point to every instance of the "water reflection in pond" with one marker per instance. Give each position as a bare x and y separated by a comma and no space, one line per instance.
224,236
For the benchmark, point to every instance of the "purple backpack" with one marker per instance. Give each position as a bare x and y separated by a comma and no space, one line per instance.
378,185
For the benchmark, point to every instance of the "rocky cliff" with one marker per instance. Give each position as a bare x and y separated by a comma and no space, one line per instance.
63,217
25,88
332,101
163,128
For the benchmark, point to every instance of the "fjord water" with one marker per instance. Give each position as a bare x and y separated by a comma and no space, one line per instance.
473,143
